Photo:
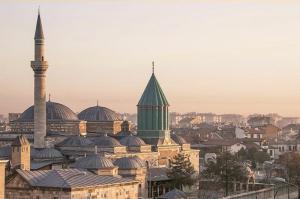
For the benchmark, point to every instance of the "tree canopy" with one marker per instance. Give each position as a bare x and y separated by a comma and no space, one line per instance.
226,168
181,171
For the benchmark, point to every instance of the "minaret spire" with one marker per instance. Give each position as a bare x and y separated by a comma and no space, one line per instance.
39,66
39,28
153,67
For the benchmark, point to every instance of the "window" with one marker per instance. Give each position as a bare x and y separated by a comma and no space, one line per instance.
37,197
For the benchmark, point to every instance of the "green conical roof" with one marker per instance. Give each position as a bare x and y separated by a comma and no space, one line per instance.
153,94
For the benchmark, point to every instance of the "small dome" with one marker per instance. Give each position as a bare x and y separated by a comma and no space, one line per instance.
127,163
132,141
99,113
55,111
45,153
75,141
106,141
178,139
174,194
140,161
93,162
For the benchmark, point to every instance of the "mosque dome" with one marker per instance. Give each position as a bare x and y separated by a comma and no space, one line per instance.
178,139
106,141
94,161
46,153
55,111
140,161
75,141
127,163
99,113
132,141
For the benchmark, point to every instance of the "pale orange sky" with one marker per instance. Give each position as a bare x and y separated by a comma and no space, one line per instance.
211,56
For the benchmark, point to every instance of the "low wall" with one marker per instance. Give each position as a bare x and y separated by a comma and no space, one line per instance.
281,192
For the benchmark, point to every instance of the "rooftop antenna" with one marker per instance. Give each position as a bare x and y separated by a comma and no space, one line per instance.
152,66
49,98
39,10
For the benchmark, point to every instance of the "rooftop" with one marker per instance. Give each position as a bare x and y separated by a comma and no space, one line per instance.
68,178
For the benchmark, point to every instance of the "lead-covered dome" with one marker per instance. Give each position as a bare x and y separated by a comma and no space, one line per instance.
46,153
75,141
178,139
127,163
132,141
106,141
94,161
55,111
99,113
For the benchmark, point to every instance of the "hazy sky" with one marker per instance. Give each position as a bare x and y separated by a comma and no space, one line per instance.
211,56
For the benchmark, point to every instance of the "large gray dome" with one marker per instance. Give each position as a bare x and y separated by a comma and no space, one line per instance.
55,111
127,163
93,162
132,141
99,113
75,141
106,141
46,153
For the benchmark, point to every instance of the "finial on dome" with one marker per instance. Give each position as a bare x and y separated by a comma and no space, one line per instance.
153,67
96,149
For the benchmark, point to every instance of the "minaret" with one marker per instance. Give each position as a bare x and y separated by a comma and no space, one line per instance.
39,66
153,112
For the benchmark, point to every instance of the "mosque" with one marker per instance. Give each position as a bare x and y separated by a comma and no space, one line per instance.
97,139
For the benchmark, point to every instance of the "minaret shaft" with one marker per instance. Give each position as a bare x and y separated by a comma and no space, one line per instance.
39,66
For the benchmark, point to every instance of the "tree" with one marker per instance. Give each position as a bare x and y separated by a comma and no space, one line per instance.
254,155
181,171
292,162
226,169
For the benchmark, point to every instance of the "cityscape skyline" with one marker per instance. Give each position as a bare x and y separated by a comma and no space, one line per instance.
110,66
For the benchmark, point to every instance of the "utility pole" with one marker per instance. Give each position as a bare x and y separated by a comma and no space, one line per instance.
226,170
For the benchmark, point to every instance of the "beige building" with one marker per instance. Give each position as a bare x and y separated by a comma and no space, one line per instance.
68,184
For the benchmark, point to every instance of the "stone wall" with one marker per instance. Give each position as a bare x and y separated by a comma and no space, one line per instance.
18,188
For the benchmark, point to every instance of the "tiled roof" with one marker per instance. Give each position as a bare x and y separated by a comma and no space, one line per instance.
68,178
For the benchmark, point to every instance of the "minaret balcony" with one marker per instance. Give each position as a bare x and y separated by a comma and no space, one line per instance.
39,66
